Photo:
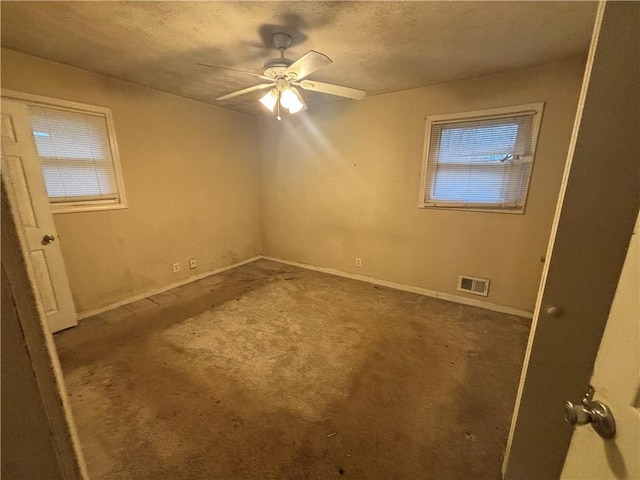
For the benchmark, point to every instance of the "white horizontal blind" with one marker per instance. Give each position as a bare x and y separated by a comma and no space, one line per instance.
75,154
480,163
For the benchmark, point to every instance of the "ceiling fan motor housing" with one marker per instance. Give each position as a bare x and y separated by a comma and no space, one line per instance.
275,67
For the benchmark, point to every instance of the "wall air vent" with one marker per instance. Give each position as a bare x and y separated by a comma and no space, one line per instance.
477,286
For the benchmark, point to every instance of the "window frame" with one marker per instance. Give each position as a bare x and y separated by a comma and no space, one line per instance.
426,180
81,205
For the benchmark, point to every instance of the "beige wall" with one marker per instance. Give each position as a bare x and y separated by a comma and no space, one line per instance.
343,182
337,183
191,180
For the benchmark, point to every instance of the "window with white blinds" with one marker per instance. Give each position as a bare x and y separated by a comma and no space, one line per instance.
480,160
78,157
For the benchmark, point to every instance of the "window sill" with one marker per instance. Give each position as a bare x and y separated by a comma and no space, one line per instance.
469,208
87,207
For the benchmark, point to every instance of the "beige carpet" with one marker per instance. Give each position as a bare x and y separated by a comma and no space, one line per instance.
273,372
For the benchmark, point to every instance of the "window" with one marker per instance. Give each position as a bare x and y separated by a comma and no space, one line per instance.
480,160
78,154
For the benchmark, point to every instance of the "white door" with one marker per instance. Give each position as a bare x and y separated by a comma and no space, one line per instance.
22,177
616,379
596,214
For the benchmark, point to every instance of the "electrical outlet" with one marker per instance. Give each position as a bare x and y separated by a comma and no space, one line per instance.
176,267
358,262
192,263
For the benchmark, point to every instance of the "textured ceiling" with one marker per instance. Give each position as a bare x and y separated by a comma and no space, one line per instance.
379,47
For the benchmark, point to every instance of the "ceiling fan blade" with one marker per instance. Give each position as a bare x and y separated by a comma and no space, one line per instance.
257,75
307,64
245,90
332,89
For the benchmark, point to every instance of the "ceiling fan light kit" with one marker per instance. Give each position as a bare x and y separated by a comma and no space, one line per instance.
284,75
291,100
270,99
283,95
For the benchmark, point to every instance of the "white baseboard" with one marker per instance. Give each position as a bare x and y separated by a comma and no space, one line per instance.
408,288
385,283
155,291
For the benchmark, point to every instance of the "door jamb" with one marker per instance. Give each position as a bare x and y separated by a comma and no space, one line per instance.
556,219
40,345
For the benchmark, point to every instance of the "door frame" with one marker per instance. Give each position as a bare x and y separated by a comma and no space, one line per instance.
40,345
598,201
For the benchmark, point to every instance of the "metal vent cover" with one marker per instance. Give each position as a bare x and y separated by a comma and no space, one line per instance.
474,285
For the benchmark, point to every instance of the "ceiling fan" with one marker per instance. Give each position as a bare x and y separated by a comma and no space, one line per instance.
284,75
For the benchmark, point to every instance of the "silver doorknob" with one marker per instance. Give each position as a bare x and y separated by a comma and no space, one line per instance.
554,311
47,239
593,412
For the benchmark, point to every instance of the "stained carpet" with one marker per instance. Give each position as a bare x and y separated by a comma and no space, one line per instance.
270,371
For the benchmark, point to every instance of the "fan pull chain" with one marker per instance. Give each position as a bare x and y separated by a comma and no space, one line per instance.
278,104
